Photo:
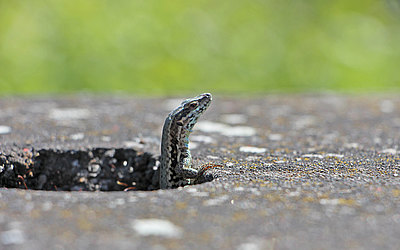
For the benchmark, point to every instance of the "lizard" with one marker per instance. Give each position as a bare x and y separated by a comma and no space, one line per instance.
176,161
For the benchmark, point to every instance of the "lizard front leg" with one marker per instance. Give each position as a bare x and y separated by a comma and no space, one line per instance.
185,167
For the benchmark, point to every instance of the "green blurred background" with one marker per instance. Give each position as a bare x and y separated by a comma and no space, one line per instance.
174,47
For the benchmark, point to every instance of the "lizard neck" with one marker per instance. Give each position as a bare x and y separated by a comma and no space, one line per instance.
174,151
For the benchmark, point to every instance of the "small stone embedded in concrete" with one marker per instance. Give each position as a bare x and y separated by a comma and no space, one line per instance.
216,201
312,156
196,193
200,194
28,196
275,137
156,227
332,202
212,157
62,114
392,151
132,199
253,158
304,122
249,246
4,130
211,127
193,145
106,138
117,202
234,118
334,155
12,237
387,106
226,130
191,190
255,150
202,138
244,131
239,189
47,206
133,144
352,145
94,169
29,206
77,136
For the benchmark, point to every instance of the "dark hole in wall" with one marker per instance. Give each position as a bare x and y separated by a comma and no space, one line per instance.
97,169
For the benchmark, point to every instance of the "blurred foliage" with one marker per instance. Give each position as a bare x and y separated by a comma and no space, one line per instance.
168,47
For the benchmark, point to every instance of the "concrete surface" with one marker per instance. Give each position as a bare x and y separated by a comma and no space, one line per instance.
300,172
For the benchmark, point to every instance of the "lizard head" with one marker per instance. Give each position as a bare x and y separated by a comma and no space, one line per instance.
191,109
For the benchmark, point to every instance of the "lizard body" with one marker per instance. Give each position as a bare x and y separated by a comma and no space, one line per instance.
176,162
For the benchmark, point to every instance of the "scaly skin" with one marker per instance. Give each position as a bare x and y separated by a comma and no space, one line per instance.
176,162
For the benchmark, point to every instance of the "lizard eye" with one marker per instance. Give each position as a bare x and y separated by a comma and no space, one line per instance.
194,104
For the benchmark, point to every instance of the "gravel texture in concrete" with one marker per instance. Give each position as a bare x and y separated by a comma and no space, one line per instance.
299,172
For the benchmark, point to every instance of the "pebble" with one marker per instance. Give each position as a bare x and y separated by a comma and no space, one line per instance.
120,201
193,145
234,118
389,151
253,158
202,138
322,156
387,106
156,227
211,127
47,206
249,246
226,130
212,157
12,237
255,150
77,136
239,131
132,199
331,202
216,201
191,190
352,145
334,155
133,144
275,137
4,130
196,193
69,114
200,194
106,138
313,156
239,189
115,203
304,122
